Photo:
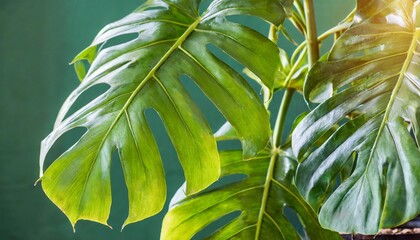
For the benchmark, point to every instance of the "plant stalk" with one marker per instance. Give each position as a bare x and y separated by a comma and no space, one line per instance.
313,56
322,37
311,38
278,129
281,117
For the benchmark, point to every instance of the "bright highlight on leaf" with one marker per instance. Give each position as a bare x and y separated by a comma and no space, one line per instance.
371,83
144,73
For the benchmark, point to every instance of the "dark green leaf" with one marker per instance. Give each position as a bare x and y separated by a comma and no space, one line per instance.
370,86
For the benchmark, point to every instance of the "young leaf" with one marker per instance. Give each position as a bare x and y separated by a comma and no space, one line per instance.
261,215
145,73
372,77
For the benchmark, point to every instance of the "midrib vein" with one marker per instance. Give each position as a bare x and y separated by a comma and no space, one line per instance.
149,76
407,62
267,185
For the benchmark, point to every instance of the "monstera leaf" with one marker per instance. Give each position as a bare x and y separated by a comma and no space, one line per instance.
144,73
260,197
372,78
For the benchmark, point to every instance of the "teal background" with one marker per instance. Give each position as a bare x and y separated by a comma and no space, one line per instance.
38,38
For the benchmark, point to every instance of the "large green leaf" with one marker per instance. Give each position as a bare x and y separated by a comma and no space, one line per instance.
372,78
144,73
260,198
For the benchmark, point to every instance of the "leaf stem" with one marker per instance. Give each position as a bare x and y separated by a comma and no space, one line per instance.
281,117
410,53
295,68
270,172
313,56
322,37
278,129
311,35
299,8
313,50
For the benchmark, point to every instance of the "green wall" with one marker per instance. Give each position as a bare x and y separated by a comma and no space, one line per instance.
38,38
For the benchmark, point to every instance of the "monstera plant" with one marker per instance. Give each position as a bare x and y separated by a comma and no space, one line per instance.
352,164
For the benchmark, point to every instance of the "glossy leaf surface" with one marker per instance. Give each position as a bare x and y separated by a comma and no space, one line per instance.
144,73
370,86
261,215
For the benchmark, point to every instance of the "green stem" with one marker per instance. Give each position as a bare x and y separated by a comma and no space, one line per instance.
270,172
273,35
311,38
278,129
299,8
294,68
313,56
322,37
281,117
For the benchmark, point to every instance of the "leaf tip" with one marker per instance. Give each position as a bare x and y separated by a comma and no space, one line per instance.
73,225
37,181
125,224
88,53
110,227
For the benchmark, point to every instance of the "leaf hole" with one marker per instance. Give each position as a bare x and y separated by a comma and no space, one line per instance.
88,96
173,170
66,141
229,145
119,207
342,88
151,8
294,219
120,39
216,225
253,22
227,180
210,111
204,5
344,120
235,66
